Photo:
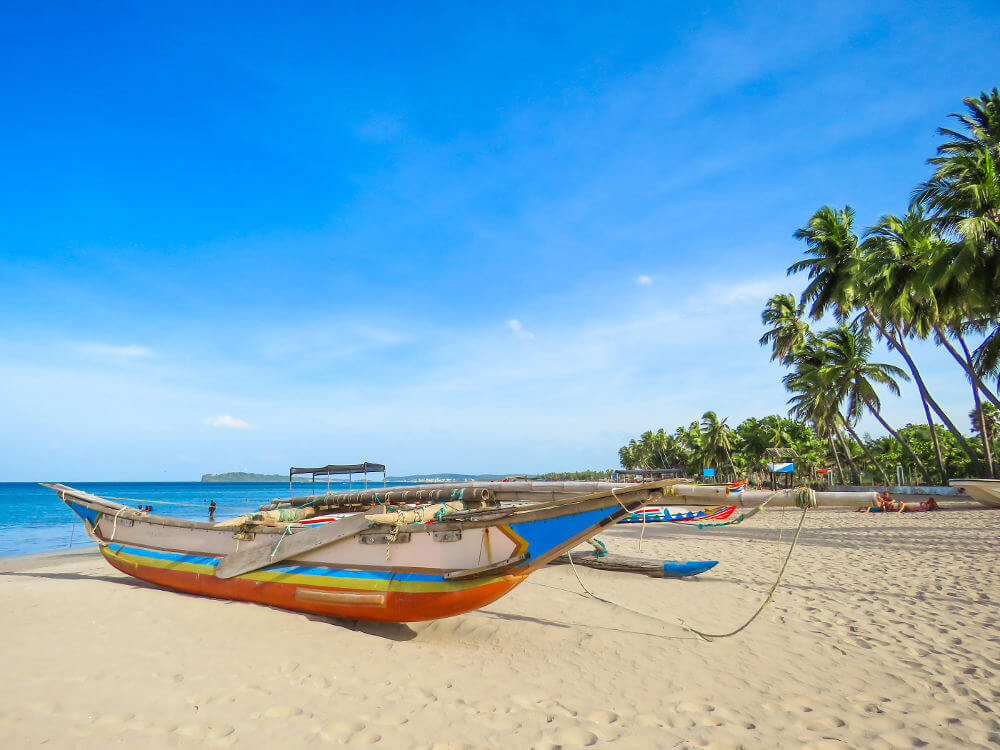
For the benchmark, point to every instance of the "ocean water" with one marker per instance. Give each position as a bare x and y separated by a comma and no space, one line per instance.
34,519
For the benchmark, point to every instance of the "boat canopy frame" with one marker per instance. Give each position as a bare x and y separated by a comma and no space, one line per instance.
645,475
365,468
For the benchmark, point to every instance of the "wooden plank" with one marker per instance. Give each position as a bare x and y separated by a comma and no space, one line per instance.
257,556
610,561
486,570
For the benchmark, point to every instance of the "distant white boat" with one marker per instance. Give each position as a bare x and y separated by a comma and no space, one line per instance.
986,491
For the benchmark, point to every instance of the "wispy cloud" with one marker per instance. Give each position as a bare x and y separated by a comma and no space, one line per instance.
756,290
106,351
643,280
229,422
518,329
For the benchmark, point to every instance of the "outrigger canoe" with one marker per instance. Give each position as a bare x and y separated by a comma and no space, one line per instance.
381,561
678,514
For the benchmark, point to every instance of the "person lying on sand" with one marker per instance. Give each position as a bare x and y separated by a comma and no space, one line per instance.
886,504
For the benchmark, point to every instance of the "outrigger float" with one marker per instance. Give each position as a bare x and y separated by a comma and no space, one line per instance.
400,554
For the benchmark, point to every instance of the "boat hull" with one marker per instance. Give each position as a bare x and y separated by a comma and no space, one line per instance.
985,491
678,514
416,572
330,592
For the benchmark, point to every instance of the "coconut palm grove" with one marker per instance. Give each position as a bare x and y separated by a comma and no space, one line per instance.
932,274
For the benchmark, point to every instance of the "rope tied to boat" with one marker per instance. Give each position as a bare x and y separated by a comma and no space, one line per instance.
805,499
400,522
628,512
288,530
114,527
749,514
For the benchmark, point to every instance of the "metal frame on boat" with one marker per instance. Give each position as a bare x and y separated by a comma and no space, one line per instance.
391,557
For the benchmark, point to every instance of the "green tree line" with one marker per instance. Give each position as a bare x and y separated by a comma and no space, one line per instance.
931,274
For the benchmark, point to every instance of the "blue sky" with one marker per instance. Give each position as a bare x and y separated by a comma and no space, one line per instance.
442,236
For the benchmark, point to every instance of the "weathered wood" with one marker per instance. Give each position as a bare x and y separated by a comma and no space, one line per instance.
256,556
500,491
492,569
610,561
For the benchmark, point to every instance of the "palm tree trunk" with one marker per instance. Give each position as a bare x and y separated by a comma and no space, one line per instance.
921,389
847,453
868,453
987,448
729,455
967,364
904,444
969,450
900,345
836,456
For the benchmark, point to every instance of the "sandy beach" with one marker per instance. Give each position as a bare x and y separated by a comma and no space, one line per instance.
884,634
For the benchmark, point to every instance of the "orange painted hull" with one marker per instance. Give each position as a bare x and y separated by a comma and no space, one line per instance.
387,606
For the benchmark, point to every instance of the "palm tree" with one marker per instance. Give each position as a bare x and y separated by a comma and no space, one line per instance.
831,241
812,397
853,378
864,446
788,331
717,439
833,245
963,196
896,255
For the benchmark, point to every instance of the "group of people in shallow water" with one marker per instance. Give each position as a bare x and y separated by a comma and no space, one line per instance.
887,504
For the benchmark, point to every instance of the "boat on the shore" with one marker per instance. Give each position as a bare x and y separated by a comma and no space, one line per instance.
393,554
986,491
678,514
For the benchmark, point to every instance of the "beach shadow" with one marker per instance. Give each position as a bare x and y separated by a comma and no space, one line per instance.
390,631
135,582
575,625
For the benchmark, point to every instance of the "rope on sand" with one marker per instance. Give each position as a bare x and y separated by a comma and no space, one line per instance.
805,499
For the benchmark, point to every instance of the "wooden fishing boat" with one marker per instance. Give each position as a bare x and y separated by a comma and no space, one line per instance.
986,491
678,514
390,557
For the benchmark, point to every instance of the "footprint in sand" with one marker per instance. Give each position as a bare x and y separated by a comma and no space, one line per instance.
198,731
821,723
601,717
341,731
571,737
282,712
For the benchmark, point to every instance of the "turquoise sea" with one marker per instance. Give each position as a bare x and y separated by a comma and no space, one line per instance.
33,519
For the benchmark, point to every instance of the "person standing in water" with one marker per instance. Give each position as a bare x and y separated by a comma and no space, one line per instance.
211,510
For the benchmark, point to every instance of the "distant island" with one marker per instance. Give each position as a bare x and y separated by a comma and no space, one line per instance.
244,476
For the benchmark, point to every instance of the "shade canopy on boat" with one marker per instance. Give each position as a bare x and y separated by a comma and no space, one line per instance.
332,469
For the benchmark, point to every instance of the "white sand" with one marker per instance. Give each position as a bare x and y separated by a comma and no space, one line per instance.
885,634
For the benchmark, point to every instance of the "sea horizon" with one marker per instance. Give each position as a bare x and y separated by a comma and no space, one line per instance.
33,519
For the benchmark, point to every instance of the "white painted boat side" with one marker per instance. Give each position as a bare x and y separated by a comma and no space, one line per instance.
984,491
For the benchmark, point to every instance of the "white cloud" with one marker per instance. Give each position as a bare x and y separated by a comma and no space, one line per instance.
518,329
131,351
232,423
644,280
757,291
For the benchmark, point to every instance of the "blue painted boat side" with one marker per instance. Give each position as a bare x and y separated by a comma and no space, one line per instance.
678,569
87,514
544,536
